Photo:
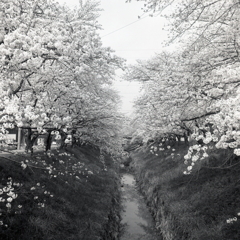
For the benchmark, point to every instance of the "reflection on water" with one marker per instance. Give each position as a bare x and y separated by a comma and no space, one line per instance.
136,219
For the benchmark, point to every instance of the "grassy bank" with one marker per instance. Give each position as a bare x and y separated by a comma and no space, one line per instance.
201,206
63,195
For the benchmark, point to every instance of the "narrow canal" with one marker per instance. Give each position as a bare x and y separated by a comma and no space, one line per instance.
136,219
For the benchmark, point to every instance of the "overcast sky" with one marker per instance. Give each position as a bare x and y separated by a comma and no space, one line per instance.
130,36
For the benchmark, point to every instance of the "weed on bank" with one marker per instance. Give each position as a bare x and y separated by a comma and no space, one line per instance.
202,205
62,195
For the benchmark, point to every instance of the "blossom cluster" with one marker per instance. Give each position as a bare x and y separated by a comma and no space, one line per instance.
8,196
154,149
231,220
65,167
40,193
195,153
234,219
7,193
220,130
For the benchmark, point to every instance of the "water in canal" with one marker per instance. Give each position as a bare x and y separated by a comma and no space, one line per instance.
136,220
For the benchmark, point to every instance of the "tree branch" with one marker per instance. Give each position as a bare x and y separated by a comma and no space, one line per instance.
198,117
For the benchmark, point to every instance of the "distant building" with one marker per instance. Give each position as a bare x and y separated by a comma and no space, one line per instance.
11,138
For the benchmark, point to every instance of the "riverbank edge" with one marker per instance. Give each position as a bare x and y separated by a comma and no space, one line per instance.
163,219
197,206
111,225
112,228
165,222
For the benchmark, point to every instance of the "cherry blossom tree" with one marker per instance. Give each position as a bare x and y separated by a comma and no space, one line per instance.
207,69
167,97
53,65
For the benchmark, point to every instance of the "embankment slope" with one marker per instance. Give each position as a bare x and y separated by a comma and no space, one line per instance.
200,206
71,194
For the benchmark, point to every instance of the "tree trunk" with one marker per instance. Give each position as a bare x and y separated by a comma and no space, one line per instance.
172,140
74,139
27,136
186,139
48,141
63,138
179,139
30,138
